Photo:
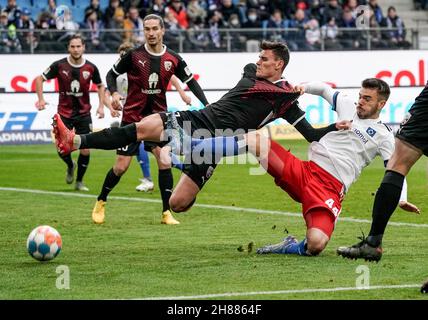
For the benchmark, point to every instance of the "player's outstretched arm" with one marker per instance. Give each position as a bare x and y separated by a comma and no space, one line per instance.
112,87
410,207
197,91
320,89
101,97
41,103
107,102
404,204
296,117
186,99
312,134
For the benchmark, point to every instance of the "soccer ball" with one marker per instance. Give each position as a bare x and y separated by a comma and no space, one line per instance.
44,243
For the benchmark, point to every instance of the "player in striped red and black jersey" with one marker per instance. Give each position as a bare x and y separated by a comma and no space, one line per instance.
74,75
261,96
149,69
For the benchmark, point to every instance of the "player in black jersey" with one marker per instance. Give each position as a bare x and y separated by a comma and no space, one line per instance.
149,69
74,75
410,144
261,96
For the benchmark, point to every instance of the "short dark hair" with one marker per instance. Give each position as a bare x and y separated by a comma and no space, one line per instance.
154,17
76,36
381,86
279,49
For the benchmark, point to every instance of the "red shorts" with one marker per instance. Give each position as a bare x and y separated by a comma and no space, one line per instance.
307,183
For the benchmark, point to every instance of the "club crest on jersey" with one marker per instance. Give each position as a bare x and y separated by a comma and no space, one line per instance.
86,74
187,70
371,132
167,65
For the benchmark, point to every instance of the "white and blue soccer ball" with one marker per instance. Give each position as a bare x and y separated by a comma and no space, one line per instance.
44,243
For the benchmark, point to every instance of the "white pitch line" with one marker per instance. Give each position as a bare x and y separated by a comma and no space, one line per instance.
208,206
254,293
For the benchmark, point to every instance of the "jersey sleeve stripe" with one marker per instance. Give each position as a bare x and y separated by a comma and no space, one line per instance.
335,100
44,77
190,78
114,70
389,129
298,120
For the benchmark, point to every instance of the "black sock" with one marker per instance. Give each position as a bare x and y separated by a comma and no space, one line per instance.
166,184
82,165
110,138
386,200
67,159
110,182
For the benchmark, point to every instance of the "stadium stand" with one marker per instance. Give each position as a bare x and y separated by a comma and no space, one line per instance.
295,23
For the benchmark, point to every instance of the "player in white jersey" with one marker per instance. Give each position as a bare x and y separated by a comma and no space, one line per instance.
411,143
335,162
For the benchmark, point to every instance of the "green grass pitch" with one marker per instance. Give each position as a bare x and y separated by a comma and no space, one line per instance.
133,256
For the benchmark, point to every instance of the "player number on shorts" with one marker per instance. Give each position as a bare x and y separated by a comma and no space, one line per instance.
330,203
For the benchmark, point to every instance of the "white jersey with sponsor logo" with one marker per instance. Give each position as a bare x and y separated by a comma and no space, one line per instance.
345,153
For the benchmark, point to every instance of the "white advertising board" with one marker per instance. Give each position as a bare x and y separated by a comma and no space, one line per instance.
406,71
223,70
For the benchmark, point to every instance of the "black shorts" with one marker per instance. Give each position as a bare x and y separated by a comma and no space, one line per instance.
131,149
414,129
199,173
191,121
150,145
82,125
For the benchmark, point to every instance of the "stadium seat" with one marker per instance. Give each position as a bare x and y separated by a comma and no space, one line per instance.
81,3
24,3
104,4
78,15
40,4
35,11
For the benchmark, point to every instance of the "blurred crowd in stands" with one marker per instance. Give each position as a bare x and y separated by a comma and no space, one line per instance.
200,25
